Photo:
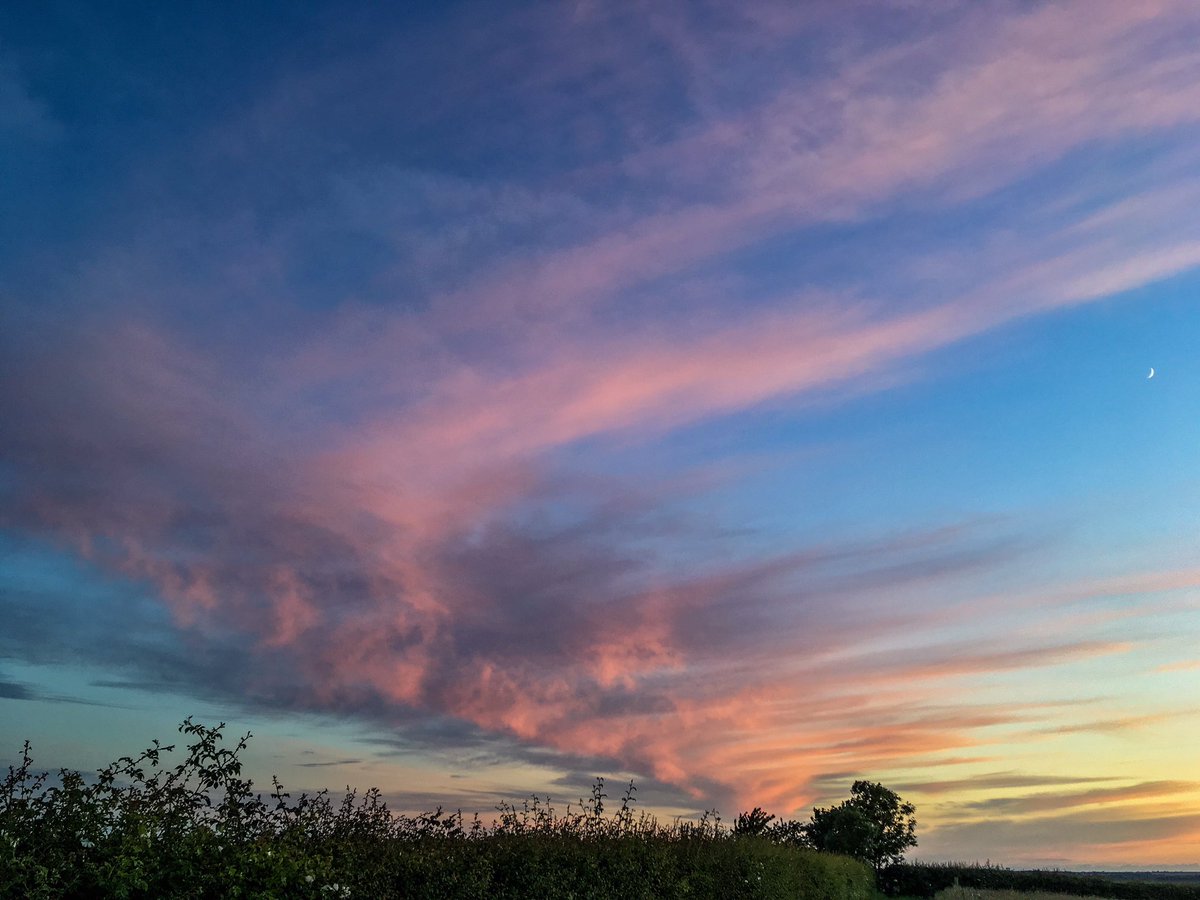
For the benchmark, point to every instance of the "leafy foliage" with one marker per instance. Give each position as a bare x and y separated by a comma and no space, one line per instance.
874,825
755,822
142,828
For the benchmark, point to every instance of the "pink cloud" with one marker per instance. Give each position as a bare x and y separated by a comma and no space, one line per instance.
385,562
999,94
741,682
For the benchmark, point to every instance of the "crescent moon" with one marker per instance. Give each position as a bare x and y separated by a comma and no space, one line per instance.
1151,375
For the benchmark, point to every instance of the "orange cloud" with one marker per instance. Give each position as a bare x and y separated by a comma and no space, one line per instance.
416,557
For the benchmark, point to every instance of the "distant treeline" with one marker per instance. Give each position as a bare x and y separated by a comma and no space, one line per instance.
1157,877
925,880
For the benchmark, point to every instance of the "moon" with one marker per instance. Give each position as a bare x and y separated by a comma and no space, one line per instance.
1151,375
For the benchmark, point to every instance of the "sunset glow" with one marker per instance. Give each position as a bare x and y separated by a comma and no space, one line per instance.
745,399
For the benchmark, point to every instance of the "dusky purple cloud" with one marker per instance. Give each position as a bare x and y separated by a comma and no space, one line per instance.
352,507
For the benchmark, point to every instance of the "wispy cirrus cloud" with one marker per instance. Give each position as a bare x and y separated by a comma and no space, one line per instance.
351,443
1035,803
1098,837
994,780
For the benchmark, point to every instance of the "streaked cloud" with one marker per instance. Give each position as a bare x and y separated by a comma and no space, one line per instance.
339,411
1035,803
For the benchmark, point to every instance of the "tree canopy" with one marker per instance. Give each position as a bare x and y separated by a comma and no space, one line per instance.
874,825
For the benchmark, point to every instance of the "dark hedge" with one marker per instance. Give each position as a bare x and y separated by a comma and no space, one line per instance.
925,880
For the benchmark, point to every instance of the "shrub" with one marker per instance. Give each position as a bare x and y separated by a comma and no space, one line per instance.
142,828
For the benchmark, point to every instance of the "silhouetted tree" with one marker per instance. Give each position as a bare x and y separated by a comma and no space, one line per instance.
755,822
874,825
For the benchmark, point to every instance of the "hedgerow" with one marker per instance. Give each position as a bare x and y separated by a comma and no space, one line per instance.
143,828
926,880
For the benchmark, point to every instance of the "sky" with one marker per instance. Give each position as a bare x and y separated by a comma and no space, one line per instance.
471,399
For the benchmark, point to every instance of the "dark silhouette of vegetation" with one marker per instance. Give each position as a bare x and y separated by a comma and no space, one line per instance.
144,828
755,822
908,880
758,823
874,825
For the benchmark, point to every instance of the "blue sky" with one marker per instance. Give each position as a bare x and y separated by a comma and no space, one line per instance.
489,396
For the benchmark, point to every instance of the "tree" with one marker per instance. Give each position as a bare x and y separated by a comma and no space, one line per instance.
756,822
874,825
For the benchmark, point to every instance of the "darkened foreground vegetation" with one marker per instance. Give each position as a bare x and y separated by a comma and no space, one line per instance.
908,880
144,828
197,829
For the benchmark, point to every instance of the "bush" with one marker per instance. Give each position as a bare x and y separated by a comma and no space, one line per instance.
143,829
